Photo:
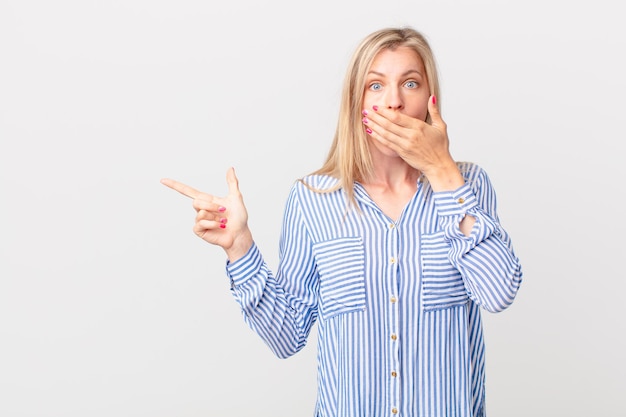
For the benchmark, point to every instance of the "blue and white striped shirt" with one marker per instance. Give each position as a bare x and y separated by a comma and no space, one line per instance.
397,303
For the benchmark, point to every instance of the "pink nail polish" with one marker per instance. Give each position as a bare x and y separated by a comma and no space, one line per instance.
223,226
223,220
364,112
434,100
375,108
364,120
369,131
221,209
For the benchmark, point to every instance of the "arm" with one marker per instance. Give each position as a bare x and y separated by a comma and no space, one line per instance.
280,309
490,269
479,248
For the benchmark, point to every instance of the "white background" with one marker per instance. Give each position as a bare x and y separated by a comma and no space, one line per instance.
110,306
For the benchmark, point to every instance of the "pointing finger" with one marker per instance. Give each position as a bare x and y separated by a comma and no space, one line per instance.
181,188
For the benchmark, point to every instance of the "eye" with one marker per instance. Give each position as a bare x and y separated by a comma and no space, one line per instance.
411,84
376,86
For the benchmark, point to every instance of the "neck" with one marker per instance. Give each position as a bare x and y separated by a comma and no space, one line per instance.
392,172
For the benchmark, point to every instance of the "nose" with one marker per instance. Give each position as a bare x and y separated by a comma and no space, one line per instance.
394,99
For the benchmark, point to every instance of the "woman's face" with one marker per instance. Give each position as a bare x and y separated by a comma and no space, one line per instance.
397,80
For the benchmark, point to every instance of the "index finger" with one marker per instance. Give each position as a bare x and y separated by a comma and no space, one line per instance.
181,188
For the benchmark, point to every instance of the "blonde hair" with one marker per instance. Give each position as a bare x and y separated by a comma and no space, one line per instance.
349,158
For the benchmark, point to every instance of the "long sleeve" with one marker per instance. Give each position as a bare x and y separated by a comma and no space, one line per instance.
281,309
490,269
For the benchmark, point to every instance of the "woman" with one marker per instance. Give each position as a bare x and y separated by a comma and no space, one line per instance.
392,247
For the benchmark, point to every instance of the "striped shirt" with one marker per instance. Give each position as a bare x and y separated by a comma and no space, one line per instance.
397,303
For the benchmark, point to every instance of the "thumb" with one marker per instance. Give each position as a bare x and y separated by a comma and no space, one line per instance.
232,181
433,110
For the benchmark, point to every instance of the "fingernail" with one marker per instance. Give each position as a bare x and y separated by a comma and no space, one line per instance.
223,220
223,226
375,108
364,112
369,131
221,209
434,100
364,120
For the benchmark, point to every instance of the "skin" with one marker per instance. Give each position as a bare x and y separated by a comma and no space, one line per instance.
395,106
403,145
221,221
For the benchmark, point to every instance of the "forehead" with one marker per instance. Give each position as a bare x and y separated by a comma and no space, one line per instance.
400,58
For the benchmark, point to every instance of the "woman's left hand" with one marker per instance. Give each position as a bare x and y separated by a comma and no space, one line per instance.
423,146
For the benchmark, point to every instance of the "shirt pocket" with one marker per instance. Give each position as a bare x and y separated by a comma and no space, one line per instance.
341,269
442,284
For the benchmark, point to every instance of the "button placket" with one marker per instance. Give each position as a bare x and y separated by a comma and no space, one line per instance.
393,323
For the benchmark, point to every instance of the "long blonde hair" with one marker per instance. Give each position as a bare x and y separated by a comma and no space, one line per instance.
349,158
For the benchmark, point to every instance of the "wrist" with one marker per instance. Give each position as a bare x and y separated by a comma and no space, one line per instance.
241,245
445,178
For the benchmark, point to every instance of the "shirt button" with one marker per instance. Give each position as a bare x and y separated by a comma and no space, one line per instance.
461,200
392,260
394,337
393,299
394,374
394,410
391,225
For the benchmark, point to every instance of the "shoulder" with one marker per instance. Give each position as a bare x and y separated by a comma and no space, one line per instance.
318,183
472,172
475,176
316,186
469,170
318,191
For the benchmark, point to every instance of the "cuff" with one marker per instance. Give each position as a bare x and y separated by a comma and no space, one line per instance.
245,267
454,203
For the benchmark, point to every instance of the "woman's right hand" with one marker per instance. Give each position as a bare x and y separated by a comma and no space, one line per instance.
221,221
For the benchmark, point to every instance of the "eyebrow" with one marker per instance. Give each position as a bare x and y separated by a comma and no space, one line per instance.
380,74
